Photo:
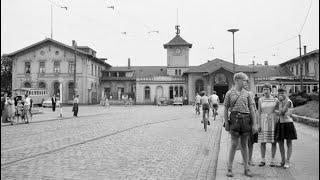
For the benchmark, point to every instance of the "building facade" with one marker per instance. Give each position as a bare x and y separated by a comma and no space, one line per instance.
49,63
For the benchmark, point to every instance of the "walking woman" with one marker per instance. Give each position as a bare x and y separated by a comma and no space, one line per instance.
11,109
75,108
285,129
54,101
267,106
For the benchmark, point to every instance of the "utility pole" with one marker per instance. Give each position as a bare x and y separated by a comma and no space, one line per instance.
51,21
75,67
234,63
301,68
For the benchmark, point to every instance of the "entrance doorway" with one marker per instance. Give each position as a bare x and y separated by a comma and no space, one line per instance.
221,91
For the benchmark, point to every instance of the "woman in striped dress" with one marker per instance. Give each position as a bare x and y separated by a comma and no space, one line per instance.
267,123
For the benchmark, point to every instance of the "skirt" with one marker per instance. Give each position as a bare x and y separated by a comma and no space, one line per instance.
285,131
268,124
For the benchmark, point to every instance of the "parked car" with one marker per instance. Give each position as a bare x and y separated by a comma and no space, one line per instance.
48,103
177,101
162,101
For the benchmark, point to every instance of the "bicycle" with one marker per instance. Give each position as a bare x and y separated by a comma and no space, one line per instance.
205,119
214,111
197,108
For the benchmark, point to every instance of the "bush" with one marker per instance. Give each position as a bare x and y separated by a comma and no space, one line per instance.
314,96
299,98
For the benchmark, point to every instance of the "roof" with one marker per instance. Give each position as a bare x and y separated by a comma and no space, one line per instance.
141,71
311,53
49,40
177,41
216,64
271,71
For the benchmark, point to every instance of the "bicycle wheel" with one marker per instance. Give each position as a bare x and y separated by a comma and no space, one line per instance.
205,121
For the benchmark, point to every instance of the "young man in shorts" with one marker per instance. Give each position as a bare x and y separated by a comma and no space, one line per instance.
204,101
214,101
240,103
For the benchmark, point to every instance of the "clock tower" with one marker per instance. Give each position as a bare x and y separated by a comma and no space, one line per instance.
177,55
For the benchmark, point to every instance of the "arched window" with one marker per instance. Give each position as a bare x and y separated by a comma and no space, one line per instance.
147,92
56,88
199,86
181,91
71,91
42,85
27,85
176,91
171,92
176,72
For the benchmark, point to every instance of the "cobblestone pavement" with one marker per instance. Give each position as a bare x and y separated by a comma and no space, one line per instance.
138,142
304,159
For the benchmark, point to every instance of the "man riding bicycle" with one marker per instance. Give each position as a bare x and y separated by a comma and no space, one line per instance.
214,103
204,101
197,102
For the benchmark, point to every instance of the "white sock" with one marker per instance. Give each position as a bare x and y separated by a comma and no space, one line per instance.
263,159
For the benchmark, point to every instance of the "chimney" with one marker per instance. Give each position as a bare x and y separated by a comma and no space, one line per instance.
74,44
305,50
129,63
252,62
266,63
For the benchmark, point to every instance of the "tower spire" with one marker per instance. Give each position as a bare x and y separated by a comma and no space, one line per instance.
177,26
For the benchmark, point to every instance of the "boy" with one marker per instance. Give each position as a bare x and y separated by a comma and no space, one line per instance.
204,101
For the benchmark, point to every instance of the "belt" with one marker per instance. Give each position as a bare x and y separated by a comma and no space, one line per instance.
237,112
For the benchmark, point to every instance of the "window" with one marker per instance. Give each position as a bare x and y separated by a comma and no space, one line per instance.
307,68
27,67
95,70
56,88
42,67
122,74
42,85
56,67
297,69
71,91
71,67
27,85
171,92
176,91
147,92
92,69
107,92
176,72
114,74
181,91
179,71
199,86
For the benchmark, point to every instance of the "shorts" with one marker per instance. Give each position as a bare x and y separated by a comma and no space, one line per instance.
205,106
215,105
240,124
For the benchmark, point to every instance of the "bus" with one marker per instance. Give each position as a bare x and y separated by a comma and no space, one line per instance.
38,95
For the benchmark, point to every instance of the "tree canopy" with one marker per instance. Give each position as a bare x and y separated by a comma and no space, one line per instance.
6,74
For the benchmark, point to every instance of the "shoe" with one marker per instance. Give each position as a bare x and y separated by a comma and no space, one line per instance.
251,163
202,121
229,173
248,173
280,164
262,164
272,164
286,166
208,123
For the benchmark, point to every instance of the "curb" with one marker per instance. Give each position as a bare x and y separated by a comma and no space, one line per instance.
306,120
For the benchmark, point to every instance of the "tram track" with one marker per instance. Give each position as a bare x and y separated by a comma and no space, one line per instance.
25,159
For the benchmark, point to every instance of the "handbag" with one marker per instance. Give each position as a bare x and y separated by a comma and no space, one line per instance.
224,123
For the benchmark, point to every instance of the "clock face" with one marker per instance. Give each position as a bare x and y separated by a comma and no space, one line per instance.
178,51
220,79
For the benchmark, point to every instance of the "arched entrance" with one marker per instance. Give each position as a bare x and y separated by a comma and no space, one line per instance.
159,91
220,85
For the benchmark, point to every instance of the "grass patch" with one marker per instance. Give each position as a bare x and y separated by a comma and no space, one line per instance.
311,109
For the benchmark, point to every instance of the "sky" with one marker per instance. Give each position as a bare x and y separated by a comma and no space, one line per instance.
268,29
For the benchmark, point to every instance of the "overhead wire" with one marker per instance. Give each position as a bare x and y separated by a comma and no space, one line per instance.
305,20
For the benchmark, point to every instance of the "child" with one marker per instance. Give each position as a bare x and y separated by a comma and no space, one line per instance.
204,101
19,108
285,128
107,102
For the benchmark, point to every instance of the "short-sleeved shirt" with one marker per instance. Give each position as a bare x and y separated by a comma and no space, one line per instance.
204,100
27,101
243,102
214,98
198,97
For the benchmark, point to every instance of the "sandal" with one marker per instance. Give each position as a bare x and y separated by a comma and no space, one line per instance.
251,163
280,164
272,164
286,166
262,164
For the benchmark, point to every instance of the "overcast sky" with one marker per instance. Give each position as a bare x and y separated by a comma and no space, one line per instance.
203,23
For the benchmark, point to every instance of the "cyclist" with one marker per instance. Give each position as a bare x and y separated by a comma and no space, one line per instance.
204,101
214,102
197,102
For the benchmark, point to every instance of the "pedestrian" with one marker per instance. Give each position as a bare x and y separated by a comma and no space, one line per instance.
268,119
11,109
27,107
214,103
239,102
253,138
4,108
54,101
75,108
19,109
285,129
204,101
130,101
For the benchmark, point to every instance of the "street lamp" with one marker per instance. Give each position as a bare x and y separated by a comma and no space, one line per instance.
234,65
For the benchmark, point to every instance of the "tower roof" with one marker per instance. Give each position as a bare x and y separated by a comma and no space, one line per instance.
177,41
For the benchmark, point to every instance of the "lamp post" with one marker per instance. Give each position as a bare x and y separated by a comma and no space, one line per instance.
234,65
75,67
60,81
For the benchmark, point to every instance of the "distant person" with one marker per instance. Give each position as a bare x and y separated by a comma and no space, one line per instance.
106,102
11,109
4,108
75,107
204,101
197,101
54,101
285,129
27,106
214,103
256,100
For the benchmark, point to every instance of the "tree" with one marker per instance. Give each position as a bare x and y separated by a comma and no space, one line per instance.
6,74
